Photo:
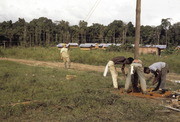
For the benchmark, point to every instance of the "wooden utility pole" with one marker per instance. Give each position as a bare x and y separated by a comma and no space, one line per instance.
137,31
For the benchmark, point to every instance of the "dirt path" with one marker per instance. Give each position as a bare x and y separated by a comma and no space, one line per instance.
75,66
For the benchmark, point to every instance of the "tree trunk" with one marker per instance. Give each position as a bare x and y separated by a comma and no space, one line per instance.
114,37
36,36
124,35
33,39
158,38
44,38
24,35
166,38
10,40
48,37
30,40
137,31
56,38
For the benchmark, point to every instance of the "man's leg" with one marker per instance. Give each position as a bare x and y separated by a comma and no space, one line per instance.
64,61
68,62
128,82
142,79
135,82
163,77
65,64
158,85
114,75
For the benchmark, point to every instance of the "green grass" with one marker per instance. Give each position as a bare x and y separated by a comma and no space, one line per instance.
89,97
93,57
36,53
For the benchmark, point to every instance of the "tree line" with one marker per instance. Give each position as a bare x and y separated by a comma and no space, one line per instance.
45,32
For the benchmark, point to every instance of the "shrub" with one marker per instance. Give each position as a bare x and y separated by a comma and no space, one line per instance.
170,50
114,48
127,47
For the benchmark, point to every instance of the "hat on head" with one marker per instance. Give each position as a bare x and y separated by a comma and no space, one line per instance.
64,45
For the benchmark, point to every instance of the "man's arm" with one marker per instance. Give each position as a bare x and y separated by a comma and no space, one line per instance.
157,75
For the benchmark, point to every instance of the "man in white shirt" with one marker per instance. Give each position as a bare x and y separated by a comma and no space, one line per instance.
160,70
64,53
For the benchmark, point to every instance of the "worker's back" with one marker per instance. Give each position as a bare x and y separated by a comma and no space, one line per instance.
64,52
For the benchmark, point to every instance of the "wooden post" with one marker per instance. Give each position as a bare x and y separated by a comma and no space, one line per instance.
137,31
136,43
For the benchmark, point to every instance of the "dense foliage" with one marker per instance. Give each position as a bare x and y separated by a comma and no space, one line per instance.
45,32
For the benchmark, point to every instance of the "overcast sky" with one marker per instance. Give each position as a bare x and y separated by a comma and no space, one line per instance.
104,11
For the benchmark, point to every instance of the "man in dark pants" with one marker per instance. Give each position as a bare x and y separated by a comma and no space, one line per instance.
160,70
111,65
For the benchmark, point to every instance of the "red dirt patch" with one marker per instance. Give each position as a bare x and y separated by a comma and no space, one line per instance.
150,94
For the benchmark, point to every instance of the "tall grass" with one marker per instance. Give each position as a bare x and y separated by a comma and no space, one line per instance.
36,53
93,57
88,97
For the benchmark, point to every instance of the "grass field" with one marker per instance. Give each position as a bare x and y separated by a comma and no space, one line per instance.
33,93
93,57
51,97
